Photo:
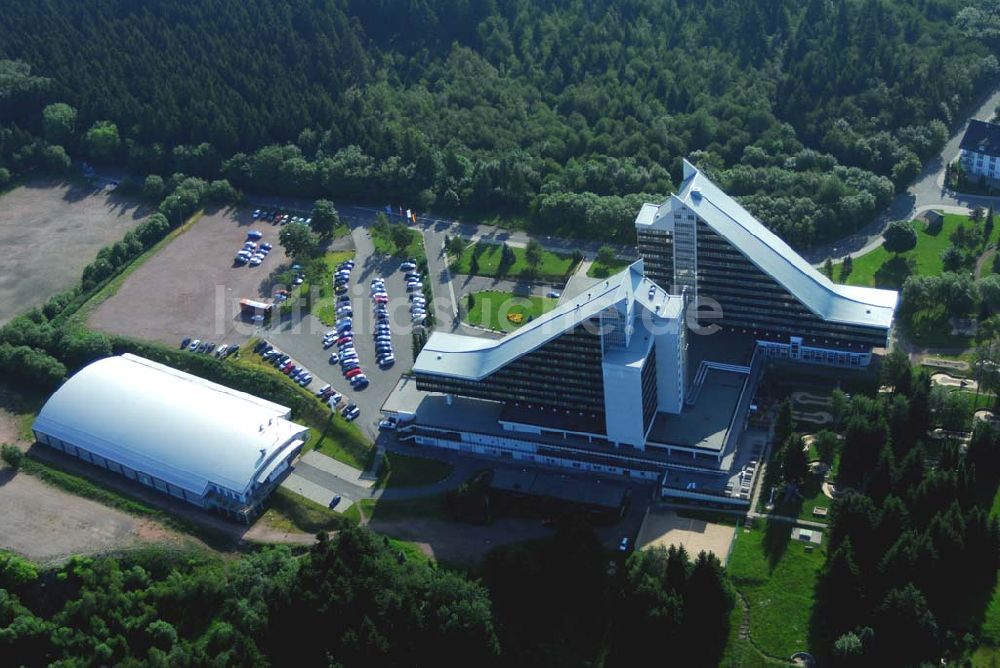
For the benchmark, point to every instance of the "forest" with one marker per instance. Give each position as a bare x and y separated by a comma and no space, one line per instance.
356,600
562,114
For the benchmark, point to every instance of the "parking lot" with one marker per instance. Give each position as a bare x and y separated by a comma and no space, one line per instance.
50,230
192,287
302,336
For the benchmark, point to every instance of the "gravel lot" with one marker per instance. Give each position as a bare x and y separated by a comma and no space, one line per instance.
192,287
50,230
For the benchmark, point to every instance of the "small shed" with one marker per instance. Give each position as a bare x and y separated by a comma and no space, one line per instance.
935,221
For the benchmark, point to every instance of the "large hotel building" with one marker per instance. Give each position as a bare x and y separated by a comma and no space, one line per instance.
650,373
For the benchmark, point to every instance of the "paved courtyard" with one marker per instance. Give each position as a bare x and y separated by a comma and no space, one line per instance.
665,528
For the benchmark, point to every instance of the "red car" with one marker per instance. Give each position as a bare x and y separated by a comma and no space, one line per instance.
352,373
344,339
381,300
288,369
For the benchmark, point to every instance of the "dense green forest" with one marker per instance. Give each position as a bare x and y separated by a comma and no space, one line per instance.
565,112
913,546
354,600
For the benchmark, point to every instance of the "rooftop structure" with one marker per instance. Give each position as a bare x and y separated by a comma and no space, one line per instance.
703,241
602,362
194,439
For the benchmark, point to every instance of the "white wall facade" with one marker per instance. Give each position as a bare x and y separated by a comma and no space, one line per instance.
980,164
671,365
623,404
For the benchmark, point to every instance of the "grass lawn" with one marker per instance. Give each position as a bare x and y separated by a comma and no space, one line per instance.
740,653
291,512
600,270
554,266
407,471
323,307
491,309
778,579
927,255
812,497
384,244
425,507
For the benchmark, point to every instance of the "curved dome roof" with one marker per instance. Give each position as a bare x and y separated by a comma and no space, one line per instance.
178,427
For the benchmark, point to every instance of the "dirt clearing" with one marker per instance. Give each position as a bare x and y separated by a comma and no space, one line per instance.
666,528
50,230
46,524
191,287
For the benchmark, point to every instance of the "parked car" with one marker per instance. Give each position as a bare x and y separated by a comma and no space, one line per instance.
386,362
321,391
186,342
221,350
408,266
554,294
256,214
623,544
334,501
353,372
334,358
351,412
359,382
388,423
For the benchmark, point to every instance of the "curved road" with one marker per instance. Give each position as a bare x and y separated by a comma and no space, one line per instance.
927,192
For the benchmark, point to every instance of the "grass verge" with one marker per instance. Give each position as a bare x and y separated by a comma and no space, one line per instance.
324,307
553,267
329,433
494,309
382,240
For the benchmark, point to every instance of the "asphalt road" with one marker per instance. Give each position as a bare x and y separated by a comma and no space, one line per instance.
302,337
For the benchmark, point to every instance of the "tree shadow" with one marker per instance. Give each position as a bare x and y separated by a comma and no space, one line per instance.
893,272
777,535
7,474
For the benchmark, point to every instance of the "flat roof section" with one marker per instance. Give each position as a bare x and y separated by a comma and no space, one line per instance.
705,424
533,482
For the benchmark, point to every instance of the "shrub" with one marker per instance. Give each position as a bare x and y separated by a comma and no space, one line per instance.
12,455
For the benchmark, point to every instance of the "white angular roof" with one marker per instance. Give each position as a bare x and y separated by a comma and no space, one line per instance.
474,358
829,300
178,427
